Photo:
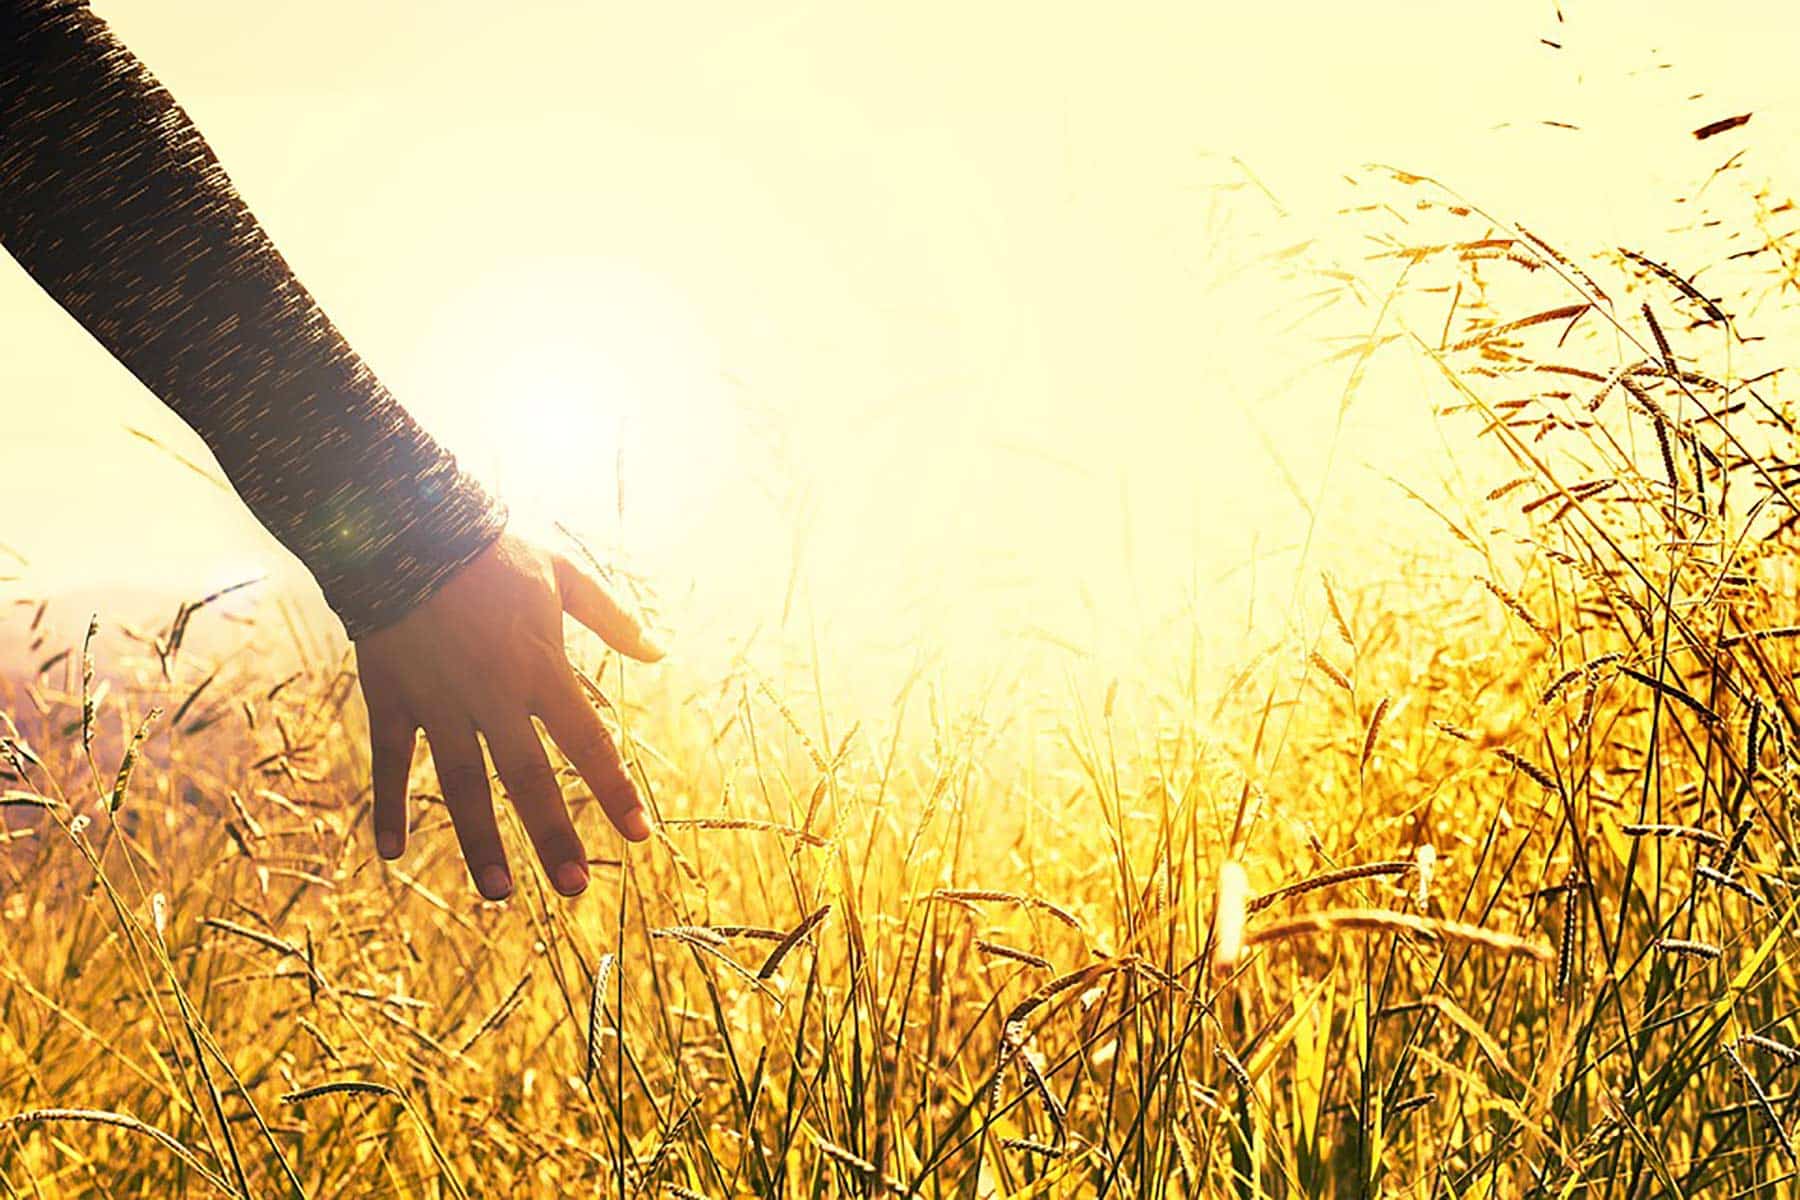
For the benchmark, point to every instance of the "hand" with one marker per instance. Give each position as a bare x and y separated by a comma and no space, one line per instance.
483,656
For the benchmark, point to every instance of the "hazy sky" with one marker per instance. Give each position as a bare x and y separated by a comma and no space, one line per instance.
953,279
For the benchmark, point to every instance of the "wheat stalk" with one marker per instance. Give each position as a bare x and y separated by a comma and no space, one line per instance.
965,895
1325,879
1705,837
338,1087
998,950
1527,768
1687,948
596,1015
1333,922
741,823
1373,732
1763,1104
96,1116
782,949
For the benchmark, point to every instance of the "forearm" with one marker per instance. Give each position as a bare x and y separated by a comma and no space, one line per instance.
113,202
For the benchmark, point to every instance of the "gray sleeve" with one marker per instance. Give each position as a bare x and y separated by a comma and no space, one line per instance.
114,203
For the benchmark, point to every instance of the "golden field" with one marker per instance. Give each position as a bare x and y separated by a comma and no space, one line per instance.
1475,878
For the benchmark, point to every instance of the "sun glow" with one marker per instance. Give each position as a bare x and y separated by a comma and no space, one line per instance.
799,336
582,391
1022,497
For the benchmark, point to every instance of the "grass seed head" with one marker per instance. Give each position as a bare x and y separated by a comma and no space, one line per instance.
1230,908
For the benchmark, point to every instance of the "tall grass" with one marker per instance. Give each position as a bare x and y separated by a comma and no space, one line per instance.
1479,881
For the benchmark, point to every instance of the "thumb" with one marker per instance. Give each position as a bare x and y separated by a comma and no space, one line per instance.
593,604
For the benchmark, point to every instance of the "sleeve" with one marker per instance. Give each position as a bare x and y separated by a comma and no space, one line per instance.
113,202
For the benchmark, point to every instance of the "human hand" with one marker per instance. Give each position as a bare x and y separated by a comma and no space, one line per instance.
483,656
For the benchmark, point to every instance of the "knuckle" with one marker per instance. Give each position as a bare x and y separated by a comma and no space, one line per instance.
590,740
588,729
558,842
462,779
614,789
556,834
534,780
555,676
476,832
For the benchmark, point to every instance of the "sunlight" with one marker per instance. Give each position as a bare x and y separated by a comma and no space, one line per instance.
1218,593
552,376
565,410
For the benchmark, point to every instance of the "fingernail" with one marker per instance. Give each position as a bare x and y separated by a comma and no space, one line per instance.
635,824
652,645
571,878
494,882
387,843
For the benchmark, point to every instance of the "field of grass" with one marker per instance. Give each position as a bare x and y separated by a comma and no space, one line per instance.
1478,880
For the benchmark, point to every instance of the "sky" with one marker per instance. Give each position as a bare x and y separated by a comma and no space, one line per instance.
939,309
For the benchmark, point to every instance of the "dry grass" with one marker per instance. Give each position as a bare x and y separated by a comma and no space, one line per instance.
1464,922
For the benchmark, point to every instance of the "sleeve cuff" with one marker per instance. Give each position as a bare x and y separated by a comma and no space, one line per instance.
375,569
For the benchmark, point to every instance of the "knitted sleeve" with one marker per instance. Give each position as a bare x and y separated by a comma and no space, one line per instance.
116,206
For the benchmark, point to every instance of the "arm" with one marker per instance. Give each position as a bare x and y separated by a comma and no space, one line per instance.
114,203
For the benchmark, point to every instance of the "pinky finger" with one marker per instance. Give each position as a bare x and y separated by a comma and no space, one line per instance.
392,738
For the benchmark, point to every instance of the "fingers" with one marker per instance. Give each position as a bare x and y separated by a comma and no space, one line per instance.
392,737
463,776
582,736
519,757
590,602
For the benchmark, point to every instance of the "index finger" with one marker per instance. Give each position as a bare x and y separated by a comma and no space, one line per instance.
578,731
